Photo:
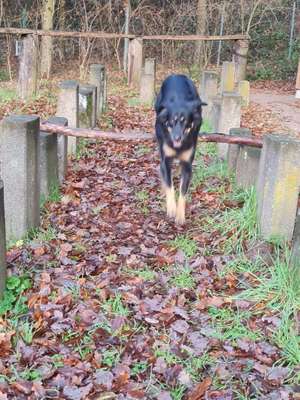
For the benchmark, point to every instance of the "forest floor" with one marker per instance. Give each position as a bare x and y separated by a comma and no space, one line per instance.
109,299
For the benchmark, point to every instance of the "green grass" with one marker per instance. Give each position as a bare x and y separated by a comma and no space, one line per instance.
54,196
237,225
7,94
14,300
184,243
232,324
278,288
115,306
142,197
183,278
145,273
133,102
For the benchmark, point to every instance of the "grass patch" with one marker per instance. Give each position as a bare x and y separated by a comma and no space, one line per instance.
133,102
231,324
237,225
7,94
183,278
14,300
184,243
146,273
115,306
142,197
278,289
54,196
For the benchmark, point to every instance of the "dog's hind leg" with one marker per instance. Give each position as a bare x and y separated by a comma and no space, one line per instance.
168,188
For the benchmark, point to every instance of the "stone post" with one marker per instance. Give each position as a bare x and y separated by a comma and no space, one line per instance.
244,92
2,241
67,106
98,78
150,66
234,149
48,164
298,82
147,87
295,260
278,185
62,147
215,114
208,91
230,117
247,166
239,58
227,77
87,106
19,156
28,68
135,62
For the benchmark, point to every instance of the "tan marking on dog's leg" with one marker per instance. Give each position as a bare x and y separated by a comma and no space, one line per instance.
169,152
186,155
170,200
180,211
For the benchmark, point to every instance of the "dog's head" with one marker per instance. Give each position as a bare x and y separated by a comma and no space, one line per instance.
179,121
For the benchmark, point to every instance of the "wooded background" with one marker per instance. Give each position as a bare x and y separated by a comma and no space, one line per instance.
273,26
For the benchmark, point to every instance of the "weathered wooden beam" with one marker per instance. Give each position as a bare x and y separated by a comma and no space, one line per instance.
105,35
140,136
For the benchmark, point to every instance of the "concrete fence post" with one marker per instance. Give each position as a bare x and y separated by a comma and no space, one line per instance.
150,66
68,106
239,58
278,185
215,113
2,241
135,62
48,163
234,149
28,68
62,147
98,78
227,77
208,91
247,166
230,117
297,94
87,106
147,89
147,85
244,92
19,157
296,244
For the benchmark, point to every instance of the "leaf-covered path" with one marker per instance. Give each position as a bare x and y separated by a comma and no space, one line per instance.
125,305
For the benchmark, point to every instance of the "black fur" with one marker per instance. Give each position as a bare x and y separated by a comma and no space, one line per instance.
178,120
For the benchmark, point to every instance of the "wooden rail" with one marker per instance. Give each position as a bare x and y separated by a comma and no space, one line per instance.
105,35
141,136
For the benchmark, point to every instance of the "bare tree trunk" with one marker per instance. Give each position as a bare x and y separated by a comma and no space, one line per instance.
201,29
46,45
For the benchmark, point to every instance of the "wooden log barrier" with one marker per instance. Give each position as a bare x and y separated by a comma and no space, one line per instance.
140,136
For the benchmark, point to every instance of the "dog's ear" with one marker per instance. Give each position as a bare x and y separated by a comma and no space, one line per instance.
162,114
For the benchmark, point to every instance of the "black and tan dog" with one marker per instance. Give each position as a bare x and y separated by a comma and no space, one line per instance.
178,121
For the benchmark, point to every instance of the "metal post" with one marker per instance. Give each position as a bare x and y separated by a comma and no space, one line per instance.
221,33
126,40
292,31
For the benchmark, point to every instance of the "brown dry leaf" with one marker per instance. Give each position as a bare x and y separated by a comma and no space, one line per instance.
199,391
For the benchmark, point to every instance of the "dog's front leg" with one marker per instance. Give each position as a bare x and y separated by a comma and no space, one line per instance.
186,174
166,175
